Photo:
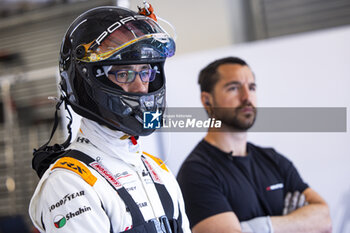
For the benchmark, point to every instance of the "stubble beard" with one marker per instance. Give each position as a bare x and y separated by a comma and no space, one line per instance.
236,120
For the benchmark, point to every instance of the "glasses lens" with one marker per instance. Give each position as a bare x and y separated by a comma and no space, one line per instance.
148,75
125,76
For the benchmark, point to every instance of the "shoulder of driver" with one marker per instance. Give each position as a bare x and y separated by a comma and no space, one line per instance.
157,160
66,198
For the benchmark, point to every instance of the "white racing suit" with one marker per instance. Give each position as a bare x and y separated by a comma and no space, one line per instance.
73,197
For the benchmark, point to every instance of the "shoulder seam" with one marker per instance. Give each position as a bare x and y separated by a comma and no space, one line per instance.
77,167
157,160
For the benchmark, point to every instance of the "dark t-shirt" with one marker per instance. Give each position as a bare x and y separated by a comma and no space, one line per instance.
214,182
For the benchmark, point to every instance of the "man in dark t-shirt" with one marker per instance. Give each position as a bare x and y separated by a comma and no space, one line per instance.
230,185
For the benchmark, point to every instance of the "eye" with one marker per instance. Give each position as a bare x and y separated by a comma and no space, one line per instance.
146,75
252,87
144,72
122,74
233,88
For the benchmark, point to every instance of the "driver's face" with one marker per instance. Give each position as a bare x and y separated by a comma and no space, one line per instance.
137,85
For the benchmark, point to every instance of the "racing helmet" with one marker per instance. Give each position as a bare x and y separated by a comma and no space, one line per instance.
106,36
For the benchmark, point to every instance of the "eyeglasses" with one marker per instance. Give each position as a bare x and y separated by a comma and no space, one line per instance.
128,76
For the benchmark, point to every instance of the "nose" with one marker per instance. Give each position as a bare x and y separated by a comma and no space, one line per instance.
245,93
137,86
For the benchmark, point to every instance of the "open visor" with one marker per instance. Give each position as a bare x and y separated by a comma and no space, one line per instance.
132,38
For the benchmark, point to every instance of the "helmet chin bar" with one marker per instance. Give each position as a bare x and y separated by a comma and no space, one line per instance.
128,125
128,109
137,105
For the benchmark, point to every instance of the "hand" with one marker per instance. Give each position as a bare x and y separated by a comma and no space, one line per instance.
293,202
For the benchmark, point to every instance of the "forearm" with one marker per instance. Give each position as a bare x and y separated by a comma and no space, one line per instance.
226,222
310,218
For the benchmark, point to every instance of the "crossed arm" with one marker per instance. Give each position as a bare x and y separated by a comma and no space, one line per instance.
310,218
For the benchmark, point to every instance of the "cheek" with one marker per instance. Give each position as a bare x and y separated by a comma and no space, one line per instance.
227,101
139,87
232,102
111,77
145,87
122,85
254,100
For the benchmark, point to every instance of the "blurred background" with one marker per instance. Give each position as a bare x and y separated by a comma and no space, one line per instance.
298,49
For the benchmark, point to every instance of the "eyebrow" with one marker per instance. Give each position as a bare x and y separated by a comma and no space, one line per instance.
237,83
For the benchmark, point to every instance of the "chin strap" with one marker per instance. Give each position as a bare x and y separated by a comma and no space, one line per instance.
64,145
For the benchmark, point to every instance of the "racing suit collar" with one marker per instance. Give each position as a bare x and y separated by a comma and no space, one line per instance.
102,131
113,143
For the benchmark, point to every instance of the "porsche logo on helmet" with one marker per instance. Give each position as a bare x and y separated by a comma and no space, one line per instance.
116,25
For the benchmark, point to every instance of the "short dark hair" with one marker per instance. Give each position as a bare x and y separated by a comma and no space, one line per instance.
208,76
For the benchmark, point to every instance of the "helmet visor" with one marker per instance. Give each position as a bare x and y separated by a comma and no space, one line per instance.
140,34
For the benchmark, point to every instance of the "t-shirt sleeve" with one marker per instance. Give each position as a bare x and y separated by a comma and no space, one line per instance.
292,178
202,192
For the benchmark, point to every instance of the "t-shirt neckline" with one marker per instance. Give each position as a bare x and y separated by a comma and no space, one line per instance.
229,155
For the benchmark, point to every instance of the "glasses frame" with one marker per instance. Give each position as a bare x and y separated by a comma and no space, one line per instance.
135,73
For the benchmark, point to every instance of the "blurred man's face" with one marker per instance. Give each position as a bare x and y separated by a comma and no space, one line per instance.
234,97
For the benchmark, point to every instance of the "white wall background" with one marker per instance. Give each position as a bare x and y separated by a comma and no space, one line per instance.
200,24
307,70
